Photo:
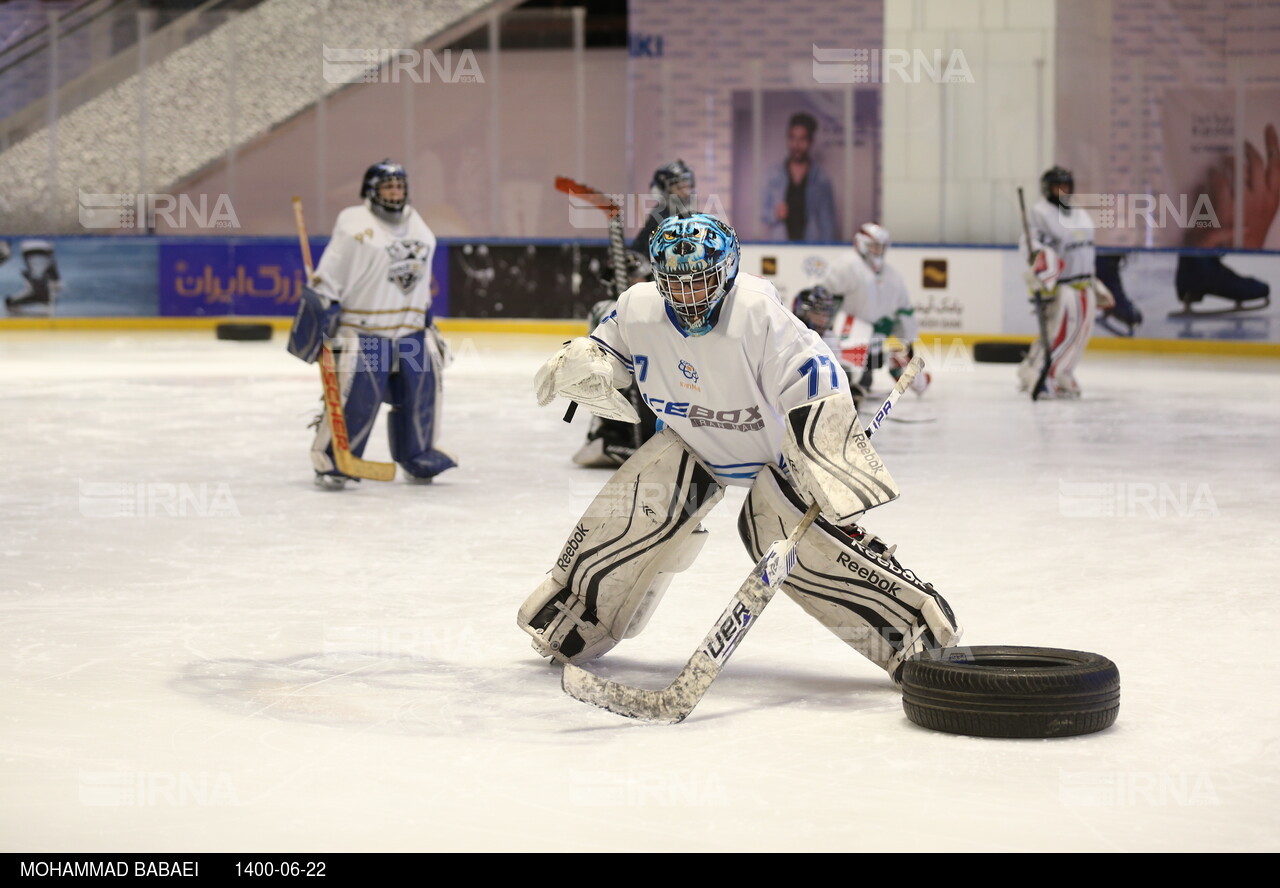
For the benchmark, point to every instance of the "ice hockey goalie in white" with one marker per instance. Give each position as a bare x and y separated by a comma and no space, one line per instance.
737,381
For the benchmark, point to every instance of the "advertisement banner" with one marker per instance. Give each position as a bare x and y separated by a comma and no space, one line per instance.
78,277
952,290
556,280
200,277
251,277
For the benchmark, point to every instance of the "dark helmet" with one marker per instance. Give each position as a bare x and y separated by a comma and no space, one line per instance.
385,171
1056,176
663,185
667,177
814,306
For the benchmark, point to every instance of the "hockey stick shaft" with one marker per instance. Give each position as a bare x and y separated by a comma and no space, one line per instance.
344,460
1042,305
914,366
617,245
673,703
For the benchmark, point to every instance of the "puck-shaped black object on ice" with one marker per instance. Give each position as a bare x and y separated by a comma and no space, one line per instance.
244,332
1000,352
1011,691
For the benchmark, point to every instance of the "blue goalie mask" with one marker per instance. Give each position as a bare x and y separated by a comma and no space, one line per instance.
695,261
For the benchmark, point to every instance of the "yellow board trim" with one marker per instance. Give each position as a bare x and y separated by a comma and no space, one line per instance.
579,328
1124,344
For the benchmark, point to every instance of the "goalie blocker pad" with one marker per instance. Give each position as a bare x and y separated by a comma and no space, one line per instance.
831,459
313,323
609,574
854,587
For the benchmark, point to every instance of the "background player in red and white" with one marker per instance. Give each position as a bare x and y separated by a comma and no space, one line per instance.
872,290
1062,265
372,299
748,396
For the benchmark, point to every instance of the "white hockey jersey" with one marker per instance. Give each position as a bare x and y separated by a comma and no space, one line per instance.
1069,233
873,297
726,393
379,272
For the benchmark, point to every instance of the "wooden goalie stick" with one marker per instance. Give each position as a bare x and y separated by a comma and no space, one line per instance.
1042,306
670,705
617,251
343,459
617,245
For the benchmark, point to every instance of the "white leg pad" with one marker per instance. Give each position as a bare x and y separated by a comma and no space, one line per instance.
682,559
854,587
637,526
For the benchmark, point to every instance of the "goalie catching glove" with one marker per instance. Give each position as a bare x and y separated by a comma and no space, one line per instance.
584,372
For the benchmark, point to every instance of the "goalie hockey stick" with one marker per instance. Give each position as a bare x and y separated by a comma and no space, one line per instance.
672,704
1042,306
607,205
343,459
617,251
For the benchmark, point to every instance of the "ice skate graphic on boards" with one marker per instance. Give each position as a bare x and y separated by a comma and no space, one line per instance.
1201,276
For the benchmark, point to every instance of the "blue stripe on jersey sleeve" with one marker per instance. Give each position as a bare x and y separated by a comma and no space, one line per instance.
737,474
614,352
735,465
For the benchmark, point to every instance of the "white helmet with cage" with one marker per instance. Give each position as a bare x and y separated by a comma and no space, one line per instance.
872,242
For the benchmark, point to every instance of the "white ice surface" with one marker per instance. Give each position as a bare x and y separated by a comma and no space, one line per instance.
260,666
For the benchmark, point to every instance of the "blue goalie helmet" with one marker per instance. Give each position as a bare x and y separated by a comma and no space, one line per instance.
374,177
695,261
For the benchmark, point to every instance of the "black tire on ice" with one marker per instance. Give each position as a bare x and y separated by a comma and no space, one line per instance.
1000,352
1011,691
244,332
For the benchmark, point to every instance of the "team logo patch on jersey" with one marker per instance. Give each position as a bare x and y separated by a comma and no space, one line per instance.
689,371
408,263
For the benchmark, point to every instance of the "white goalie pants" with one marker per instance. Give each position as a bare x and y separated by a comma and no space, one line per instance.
1070,313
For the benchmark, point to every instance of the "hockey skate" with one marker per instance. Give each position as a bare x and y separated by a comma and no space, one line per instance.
332,481
1201,276
600,454
1065,386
